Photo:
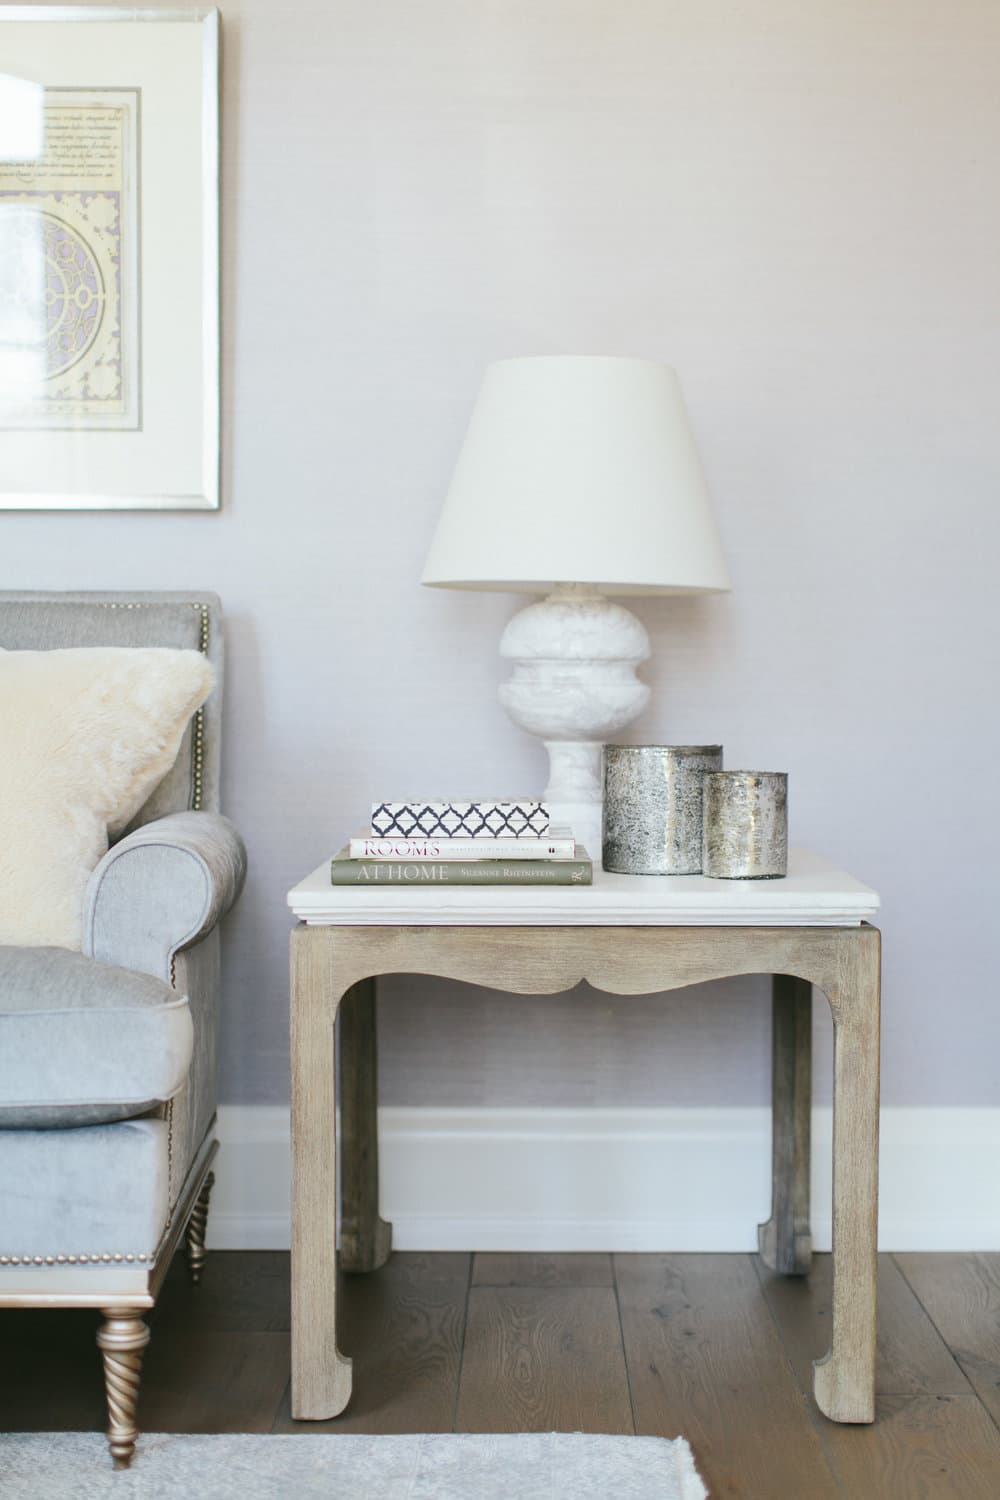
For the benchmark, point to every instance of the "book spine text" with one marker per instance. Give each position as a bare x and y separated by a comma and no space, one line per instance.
461,848
454,872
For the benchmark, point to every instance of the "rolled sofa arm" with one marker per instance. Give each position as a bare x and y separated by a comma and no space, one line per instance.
161,889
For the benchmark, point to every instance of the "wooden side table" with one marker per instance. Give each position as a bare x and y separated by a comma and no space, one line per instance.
628,935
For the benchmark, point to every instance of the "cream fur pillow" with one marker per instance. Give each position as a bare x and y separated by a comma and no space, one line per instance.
85,736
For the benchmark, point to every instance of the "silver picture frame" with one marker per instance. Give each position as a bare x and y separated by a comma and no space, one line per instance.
109,259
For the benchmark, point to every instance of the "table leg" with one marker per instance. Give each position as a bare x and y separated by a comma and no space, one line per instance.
365,1238
785,1241
844,1380
321,1376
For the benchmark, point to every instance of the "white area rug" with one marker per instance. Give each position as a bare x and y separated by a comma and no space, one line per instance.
528,1466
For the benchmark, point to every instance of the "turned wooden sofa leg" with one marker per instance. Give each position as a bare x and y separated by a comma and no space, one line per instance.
122,1338
196,1227
785,1241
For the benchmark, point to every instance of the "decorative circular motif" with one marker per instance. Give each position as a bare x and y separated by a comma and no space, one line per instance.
75,296
65,320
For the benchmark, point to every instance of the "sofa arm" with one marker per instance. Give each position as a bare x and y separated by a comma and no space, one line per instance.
161,889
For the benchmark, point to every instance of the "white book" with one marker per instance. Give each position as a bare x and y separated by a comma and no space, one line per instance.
558,843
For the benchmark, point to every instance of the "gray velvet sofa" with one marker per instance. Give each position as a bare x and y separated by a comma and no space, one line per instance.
107,1057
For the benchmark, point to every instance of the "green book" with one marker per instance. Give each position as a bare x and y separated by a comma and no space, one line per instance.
424,872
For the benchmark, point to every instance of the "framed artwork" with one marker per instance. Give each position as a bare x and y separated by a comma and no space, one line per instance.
109,259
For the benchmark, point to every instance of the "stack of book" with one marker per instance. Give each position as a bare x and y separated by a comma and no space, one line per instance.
462,843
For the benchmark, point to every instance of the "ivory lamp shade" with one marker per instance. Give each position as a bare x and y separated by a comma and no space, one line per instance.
578,469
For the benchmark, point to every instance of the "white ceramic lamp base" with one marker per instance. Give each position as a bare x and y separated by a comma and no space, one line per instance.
574,685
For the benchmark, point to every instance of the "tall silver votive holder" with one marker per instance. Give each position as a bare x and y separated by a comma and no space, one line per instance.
746,825
652,807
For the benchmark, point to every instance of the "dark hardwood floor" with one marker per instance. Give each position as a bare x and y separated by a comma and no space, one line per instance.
712,1346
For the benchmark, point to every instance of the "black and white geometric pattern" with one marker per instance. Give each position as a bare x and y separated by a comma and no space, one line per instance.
468,820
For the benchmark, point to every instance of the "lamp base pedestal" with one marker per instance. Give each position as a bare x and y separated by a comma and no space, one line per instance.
574,656
575,792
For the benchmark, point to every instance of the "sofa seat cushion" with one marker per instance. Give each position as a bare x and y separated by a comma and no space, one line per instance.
85,1197
84,1043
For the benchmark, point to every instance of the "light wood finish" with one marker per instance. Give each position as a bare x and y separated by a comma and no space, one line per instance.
962,1295
543,1359
842,962
620,960
404,1326
365,1238
321,1376
122,1338
911,1359
844,1379
785,1241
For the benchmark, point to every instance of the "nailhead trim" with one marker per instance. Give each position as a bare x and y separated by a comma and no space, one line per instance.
105,1258
198,734
170,1141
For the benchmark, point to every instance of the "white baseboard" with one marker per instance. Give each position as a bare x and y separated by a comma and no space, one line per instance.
615,1179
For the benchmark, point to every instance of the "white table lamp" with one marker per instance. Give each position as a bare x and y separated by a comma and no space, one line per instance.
578,478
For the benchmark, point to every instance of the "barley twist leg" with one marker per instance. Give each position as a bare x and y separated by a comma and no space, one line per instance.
121,1339
196,1229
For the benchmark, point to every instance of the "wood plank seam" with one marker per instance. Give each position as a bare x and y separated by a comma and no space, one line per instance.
940,1332
621,1330
461,1352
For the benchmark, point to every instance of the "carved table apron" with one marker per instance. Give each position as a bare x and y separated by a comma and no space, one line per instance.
334,965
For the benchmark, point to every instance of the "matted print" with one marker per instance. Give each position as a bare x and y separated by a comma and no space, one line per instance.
69,272
109,258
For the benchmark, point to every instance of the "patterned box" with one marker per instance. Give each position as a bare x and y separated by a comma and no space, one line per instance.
468,820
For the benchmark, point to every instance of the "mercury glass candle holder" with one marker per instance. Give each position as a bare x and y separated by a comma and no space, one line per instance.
745,825
652,807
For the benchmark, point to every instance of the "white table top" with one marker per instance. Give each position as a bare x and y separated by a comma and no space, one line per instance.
813,894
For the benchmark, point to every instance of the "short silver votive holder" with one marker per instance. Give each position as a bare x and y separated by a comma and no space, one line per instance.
652,807
746,825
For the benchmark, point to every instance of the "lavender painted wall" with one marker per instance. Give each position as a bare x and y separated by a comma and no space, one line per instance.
794,205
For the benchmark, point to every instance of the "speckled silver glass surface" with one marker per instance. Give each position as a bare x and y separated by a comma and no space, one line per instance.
746,825
652,807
